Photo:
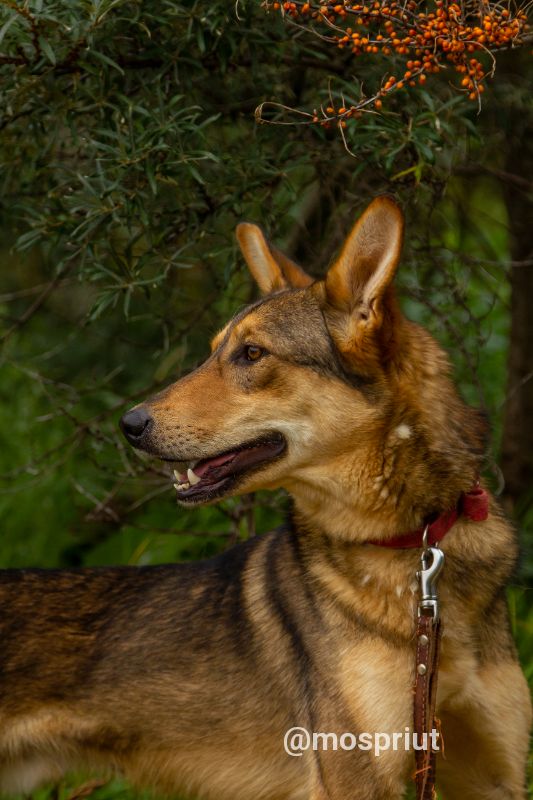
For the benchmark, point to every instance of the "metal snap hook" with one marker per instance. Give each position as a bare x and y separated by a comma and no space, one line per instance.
428,576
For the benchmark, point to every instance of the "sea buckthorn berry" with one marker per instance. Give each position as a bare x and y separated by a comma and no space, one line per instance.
449,34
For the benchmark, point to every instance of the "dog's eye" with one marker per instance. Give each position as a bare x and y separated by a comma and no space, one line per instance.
252,352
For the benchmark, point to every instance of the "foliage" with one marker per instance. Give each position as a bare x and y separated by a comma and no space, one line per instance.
129,153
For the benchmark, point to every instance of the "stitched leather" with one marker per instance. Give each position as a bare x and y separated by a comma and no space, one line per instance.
425,691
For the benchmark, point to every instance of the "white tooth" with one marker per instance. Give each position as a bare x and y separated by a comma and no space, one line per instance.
180,487
180,477
193,478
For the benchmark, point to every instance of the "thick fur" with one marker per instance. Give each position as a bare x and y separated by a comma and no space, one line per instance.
186,677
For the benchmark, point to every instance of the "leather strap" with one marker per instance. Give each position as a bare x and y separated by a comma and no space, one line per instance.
428,636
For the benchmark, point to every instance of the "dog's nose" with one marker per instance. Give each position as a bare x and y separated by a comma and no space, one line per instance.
135,423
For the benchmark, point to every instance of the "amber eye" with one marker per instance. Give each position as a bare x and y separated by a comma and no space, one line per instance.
252,352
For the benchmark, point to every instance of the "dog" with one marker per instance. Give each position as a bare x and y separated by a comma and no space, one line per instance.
186,678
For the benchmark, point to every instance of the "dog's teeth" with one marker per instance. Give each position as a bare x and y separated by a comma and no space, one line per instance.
180,487
193,478
179,477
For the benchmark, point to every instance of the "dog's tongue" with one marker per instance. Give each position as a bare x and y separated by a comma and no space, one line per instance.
210,463
213,469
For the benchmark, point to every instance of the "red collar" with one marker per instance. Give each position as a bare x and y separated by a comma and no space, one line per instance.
473,504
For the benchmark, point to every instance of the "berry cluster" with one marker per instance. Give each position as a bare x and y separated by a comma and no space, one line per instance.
429,36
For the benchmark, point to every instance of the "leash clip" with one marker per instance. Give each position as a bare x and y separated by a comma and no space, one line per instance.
432,561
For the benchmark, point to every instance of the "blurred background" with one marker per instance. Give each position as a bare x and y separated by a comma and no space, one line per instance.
129,151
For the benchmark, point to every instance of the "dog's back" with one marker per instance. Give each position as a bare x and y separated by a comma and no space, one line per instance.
179,675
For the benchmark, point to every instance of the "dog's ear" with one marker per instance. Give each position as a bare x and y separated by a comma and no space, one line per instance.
358,281
271,268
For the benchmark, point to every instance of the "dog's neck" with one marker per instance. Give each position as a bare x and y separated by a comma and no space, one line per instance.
341,516
350,502
415,461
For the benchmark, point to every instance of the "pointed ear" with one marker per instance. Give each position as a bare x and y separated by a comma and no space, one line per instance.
357,282
271,268
294,275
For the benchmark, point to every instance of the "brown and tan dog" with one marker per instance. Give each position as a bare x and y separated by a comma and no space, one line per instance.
187,677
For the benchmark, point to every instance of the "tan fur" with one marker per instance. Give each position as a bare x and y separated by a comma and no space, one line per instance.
187,677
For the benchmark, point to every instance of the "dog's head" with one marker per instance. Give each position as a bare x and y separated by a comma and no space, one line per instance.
298,383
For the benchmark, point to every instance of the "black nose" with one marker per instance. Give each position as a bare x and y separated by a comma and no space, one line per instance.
135,423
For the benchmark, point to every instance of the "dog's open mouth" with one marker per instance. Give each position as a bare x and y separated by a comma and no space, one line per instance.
214,476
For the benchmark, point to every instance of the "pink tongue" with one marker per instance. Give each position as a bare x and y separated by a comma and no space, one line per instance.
204,466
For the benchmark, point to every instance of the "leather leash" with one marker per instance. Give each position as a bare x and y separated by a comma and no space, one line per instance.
428,636
475,506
